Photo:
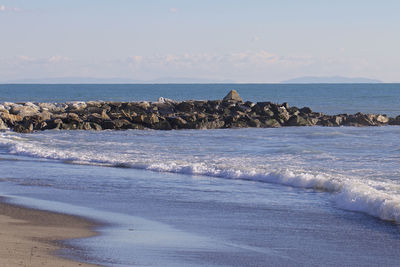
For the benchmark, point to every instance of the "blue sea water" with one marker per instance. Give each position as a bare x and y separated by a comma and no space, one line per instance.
327,98
296,196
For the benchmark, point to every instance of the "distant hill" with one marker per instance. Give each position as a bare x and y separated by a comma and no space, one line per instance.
333,79
90,80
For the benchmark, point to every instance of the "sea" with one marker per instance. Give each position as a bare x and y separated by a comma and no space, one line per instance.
290,196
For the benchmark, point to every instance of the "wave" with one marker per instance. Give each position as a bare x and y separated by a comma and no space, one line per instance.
377,198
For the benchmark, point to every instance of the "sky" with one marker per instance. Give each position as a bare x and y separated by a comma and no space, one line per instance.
242,41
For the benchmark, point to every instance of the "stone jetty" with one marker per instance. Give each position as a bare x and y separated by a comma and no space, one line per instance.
167,114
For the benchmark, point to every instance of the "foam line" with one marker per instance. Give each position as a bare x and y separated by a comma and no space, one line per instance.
376,198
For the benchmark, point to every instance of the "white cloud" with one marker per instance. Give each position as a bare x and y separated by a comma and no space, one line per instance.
173,10
58,59
246,58
22,59
3,8
242,66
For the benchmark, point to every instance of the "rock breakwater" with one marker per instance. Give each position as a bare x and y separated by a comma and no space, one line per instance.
166,114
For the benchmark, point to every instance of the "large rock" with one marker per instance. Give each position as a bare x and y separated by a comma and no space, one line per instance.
47,106
395,121
3,126
166,114
233,96
165,108
360,119
26,110
10,118
281,114
76,106
297,120
185,106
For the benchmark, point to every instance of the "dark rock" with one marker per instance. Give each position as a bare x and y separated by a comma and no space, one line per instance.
162,125
281,114
213,106
296,120
253,122
165,108
305,110
263,108
360,119
233,96
108,125
168,114
85,126
293,111
19,128
95,126
271,123
98,118
177,123
395,121
123,124
285,105
53,124
185,106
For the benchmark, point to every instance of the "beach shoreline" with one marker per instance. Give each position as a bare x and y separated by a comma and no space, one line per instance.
32,237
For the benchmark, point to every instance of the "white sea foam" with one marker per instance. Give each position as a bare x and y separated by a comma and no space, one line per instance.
379,198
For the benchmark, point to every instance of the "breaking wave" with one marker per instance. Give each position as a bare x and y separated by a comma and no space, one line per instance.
379,198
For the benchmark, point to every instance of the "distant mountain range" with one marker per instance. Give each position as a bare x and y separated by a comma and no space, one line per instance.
333,79
90,80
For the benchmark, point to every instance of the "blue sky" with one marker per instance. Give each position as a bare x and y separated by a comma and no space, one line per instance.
244,41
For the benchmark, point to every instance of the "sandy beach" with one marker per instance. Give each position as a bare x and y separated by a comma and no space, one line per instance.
29,237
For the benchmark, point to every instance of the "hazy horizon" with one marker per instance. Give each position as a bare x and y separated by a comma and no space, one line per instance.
244,42
189,80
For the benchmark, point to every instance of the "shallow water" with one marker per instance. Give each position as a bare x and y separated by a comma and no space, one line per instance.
288,196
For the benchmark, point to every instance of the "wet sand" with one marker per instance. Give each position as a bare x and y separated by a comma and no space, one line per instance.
30,237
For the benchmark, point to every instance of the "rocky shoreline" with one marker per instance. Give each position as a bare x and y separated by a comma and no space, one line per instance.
166,114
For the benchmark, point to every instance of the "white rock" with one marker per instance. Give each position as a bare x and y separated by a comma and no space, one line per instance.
30,104
47,106
77,105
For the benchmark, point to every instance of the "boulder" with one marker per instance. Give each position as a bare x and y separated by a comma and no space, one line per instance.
281,114
297,120
53,124
151,120
395,121
24,111
94,104
165,108
162,125
3,126
185,106
166,100
381,119
10,118
177,122
271,123
233,96
167,114
76,105
305,110
97,118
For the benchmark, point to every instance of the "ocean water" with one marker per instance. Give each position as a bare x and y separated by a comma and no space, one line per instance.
327,98
294,196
